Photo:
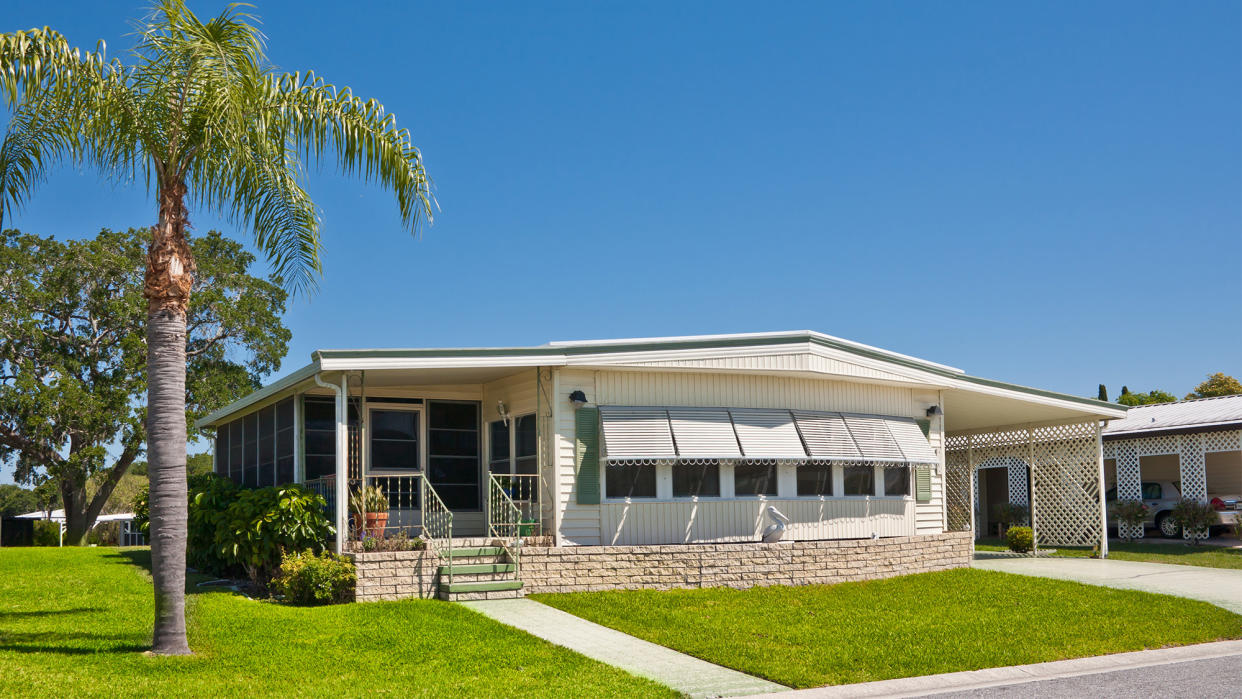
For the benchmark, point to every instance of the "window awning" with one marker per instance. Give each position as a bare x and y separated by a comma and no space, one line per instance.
650,434
636,434
768,434
704,433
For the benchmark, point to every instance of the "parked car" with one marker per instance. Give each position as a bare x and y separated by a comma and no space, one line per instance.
1160,498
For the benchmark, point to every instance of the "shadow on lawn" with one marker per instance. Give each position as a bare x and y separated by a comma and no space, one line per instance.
141,558
55,642
47,612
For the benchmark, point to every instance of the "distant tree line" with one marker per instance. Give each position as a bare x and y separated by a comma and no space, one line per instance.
1218,384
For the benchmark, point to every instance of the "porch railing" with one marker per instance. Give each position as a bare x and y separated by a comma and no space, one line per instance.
414,510
437,523
504,521
523,491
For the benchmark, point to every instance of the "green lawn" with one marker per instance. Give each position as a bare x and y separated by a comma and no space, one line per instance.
911,625
1177,554
74,622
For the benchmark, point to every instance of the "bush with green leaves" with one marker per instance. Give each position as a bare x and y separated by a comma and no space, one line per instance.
308,578
260,525
1194,517
1130,516
210,497
1021,539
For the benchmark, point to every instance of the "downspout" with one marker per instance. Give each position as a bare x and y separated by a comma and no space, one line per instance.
342,457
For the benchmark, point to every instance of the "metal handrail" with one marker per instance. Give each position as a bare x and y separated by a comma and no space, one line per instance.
437,523
504,522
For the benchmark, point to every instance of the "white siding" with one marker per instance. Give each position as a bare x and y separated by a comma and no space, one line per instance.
751,391
734,520
720,521
930,516
578,524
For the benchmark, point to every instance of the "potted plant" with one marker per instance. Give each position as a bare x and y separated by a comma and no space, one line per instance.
370,511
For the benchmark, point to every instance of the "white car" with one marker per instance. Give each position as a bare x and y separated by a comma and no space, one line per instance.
1162,496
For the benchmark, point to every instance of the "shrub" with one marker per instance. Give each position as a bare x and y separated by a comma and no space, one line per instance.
1021,539
46,533
1010,514
308,578
210,496
1194,516
1129,515
260,525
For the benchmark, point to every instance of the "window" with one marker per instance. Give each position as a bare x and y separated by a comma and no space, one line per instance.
284,442
222,450
630,481
498,437
319,436
754,479
1152,491
860,480
235,451
394,440
267,446
525,445
897,481
815,479
250,455
453,453
696,480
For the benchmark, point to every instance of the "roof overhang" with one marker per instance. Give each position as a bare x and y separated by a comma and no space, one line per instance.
971,402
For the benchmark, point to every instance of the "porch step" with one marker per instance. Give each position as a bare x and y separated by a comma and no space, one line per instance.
479,568
498,589
476,551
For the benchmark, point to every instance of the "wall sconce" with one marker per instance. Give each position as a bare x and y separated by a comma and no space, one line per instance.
503,412
578,398
934,411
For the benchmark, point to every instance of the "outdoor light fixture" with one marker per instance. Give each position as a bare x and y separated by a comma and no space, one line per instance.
934,411
578,398
504,412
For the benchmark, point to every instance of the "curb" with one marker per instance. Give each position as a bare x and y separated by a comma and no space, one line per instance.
1017,674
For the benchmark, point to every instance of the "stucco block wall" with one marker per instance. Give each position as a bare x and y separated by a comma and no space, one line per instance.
591,568
395,575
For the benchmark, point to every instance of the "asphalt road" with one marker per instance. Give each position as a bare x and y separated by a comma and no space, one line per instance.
1215,677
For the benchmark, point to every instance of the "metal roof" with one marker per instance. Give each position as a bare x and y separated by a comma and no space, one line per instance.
585,352
1186,414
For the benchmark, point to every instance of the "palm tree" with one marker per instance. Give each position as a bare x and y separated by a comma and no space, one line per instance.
202,117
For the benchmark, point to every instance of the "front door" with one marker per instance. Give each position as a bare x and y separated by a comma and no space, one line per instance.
453,454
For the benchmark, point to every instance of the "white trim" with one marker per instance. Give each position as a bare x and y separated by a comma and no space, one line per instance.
364,438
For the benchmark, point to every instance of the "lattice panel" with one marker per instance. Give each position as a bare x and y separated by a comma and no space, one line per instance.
957,491
1064,461
1222,441
1129,482
1018,483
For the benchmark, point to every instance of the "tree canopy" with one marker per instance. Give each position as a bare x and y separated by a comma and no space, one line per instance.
1218,384
72,354
1153,396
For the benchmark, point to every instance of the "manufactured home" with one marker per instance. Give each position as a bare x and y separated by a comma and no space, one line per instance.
761,458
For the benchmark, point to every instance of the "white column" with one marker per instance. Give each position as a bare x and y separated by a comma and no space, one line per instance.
1099,458
299,446
342,463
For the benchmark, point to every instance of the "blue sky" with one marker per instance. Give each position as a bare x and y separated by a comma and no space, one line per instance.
1048,193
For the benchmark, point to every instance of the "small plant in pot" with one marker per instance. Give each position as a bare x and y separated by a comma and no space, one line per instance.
370,508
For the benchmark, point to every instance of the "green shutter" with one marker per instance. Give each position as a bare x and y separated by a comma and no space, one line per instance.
922,483
925,425
586,455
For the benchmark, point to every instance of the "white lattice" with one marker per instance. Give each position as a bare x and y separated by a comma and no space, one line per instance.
957,487
1064,465
1222,441
1016,477
1129,482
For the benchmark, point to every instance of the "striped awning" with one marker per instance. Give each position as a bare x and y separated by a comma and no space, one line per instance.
636,434
650,434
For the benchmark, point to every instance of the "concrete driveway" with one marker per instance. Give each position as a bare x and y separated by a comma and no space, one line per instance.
1215,585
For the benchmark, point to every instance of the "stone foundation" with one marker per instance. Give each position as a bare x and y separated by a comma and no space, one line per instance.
395,575
591,568
398,575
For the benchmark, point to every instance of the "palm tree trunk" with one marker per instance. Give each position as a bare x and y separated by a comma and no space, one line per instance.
167,288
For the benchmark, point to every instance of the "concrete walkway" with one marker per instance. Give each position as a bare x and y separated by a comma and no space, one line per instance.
686,674
1020,677
1218,586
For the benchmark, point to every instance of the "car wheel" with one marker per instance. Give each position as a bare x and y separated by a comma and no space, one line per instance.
1168,527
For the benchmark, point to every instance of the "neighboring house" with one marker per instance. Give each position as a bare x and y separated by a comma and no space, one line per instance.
1194,446
664,458
128,533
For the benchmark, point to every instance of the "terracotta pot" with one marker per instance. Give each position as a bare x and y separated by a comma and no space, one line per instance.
375,523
